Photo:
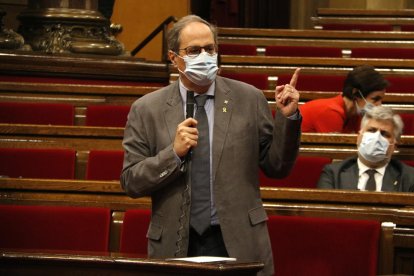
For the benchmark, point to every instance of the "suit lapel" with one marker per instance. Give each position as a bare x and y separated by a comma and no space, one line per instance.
349,178
390,181
223,107
174,113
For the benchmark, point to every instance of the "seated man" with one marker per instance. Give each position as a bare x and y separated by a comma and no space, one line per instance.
373,169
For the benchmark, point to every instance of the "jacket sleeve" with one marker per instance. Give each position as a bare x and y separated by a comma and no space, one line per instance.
144,169
327,179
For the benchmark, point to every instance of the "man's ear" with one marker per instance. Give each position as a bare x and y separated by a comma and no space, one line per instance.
172,56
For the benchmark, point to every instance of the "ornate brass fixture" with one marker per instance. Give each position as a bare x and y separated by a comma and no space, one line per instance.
8,38
67,26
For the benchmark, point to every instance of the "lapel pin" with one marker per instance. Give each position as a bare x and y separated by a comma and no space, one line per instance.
226,101
224,109
395,183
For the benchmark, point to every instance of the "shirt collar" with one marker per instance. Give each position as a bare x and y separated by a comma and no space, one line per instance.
362,168
183,91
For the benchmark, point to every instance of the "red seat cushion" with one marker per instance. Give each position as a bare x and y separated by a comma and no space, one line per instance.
324,246
104,164
260,81
357,27
54,227
305,174
408,119
303,51
134,230
409,162
37,113
400,84
64,80
107,115
396,53
237,49
314,82
38,163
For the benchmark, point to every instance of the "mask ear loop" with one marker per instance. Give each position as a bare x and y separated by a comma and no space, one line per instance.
362,96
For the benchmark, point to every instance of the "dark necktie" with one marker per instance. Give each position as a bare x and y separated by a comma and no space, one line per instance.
371,184
200,171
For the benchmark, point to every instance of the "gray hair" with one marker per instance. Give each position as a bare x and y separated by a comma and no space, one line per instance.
173,37
384,113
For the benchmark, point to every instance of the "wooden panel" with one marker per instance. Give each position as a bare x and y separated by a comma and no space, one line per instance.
139,18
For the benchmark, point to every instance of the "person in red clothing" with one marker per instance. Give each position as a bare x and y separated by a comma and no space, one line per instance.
363,88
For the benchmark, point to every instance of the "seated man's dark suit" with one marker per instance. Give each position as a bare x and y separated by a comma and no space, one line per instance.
398,176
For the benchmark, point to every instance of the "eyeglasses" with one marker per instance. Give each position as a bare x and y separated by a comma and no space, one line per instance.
194,51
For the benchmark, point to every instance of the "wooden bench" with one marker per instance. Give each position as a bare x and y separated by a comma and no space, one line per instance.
382,207
26,262
83,139
396,20
226,32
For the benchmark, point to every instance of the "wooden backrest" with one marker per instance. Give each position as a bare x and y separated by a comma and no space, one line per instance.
56,163
54,227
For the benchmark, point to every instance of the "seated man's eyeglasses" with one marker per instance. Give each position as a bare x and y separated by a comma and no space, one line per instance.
194,51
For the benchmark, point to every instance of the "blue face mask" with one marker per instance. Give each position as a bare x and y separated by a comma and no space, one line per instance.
202,69
373,147
368,106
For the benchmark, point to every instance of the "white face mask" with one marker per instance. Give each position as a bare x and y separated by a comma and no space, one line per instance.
373,147
202,69
368,106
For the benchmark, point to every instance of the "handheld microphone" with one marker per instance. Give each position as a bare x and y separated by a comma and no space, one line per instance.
190,105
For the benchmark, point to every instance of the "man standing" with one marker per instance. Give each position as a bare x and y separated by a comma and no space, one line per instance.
165,154
373,169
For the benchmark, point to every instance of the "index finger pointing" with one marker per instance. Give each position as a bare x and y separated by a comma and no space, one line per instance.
294,78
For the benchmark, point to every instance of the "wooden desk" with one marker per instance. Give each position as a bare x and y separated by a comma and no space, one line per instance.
224,32
64,263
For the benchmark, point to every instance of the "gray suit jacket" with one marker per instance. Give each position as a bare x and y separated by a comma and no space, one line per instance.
244,138
398,176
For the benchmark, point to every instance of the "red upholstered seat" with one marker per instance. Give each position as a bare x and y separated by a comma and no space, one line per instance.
107,115
357,27
305,174
54,227
409,162
407,28
396,53
104,164
260,81
237,49
38,163
324,246
314,82
400,84
66,80
37,113
134,231
408,119
303,51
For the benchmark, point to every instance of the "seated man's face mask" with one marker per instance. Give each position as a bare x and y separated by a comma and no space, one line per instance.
373,146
